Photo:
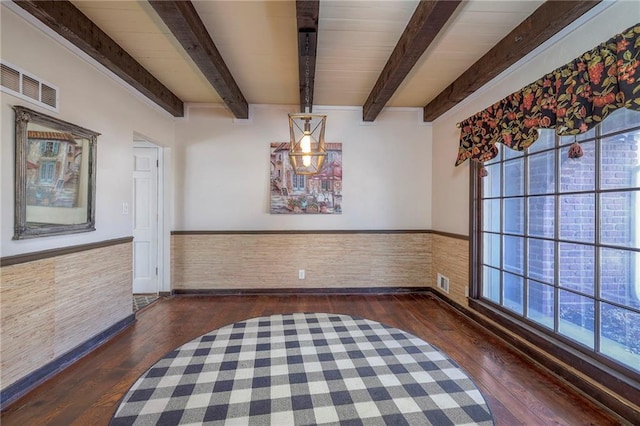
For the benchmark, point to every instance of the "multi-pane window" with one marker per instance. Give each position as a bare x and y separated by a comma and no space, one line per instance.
47,171
298,182
560,237
49,148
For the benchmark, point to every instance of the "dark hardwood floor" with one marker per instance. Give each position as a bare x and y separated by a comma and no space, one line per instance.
517,391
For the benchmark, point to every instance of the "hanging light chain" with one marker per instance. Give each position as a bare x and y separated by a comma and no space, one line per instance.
307,75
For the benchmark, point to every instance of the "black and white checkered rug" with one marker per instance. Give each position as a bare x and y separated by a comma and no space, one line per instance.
304,369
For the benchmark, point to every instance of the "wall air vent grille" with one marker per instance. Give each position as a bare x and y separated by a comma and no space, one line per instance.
443,283
30,87
26,86
48,95
10,78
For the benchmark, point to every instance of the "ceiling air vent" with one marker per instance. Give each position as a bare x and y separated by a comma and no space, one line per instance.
28,87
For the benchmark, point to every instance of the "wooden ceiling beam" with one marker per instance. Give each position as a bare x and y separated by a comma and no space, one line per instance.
546,21
68,21
425,24
187,27
307,12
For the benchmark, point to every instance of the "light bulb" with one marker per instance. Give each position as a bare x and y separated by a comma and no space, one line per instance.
305,145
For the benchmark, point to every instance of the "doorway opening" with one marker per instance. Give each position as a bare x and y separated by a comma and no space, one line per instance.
147,224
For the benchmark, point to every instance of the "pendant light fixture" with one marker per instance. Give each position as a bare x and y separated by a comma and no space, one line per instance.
306,143
306,147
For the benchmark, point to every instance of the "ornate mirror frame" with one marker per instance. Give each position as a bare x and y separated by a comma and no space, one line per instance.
55,176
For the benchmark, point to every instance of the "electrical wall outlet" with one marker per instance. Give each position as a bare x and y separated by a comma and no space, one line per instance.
301,274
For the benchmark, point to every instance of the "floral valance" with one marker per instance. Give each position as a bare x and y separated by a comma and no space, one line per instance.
572,99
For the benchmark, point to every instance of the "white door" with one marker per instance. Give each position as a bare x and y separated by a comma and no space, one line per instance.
145,220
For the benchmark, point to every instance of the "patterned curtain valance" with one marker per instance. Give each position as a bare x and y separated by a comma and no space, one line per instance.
572,99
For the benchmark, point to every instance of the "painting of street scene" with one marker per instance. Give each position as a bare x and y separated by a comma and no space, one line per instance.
53,169
306,194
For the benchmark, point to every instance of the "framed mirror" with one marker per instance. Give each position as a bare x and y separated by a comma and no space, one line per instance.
55,190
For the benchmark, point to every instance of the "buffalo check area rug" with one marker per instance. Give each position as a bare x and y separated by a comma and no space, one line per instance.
304,369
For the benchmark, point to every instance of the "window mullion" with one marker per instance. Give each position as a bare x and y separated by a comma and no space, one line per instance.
556,237
525,237
502,227
597,240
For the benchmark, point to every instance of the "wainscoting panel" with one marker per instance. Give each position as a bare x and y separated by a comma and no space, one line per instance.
451,259
50,306
27,311
222,261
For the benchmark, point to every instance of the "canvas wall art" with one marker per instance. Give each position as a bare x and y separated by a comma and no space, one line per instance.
306,194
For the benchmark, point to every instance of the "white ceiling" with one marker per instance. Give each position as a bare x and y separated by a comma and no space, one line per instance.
258,42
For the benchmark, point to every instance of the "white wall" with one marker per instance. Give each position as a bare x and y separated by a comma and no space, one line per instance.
88,98
222,170
451,191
